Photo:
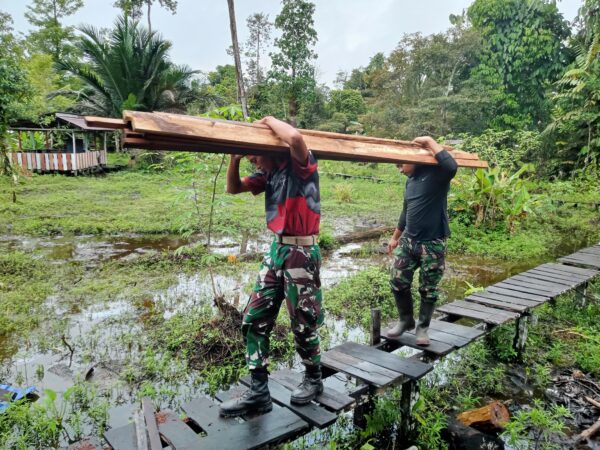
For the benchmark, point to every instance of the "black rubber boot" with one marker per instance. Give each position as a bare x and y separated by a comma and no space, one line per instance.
311,386
406,320
425,313
255,400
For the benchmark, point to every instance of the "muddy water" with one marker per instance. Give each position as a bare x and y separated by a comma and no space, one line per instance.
107,332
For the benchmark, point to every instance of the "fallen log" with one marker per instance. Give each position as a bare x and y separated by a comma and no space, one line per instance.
493,416
461,437
164,131
593,402
363,235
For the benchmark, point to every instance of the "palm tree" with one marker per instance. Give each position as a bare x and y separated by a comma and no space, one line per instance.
128,68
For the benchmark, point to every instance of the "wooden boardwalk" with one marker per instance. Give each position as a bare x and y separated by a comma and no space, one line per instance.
372,366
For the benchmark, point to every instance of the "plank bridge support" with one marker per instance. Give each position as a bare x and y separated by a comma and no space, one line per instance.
581,295
521,332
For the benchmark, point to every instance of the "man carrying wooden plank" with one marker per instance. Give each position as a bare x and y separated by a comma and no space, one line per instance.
419,240
290,270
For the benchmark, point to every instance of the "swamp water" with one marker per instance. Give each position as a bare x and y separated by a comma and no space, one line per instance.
105,336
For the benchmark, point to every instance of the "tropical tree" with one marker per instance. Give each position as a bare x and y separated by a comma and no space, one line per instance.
292,64
51,35
132,9
128,69
523,53
236,56
259,28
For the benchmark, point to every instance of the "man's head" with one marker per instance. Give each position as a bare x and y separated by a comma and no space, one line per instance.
407,169
262,163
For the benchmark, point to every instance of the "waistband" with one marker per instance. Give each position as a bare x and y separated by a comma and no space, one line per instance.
298,240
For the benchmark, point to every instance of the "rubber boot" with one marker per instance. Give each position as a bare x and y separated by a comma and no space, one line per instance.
425,313
311,386
255,400
406,321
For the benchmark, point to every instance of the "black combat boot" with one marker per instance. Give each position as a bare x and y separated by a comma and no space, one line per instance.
406,322
310,387
255,400
425,313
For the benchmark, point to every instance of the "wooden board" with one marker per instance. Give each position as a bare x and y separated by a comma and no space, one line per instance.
363,370
412,369
151,426
581,259
175,432
512,293
489,315
314,414
122,438
260,137
506,299
490,310
496,304
205,413
456,329
259,431
568,277
329,398
521,288
570,269
543,280
409,339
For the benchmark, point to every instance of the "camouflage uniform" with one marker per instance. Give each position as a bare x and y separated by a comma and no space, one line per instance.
290,272
429,256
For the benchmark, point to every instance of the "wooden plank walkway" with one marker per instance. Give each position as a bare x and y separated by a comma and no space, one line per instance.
498,304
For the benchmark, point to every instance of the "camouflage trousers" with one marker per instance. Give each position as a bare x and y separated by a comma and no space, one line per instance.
429,256
287,272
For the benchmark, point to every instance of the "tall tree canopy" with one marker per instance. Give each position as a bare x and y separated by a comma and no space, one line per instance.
523,52
51,36
292,64
259,37
128,69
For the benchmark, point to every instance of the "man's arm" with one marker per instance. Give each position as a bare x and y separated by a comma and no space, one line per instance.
234,182
446,162
394,240
290,136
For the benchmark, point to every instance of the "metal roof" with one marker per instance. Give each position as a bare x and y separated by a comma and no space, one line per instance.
71,120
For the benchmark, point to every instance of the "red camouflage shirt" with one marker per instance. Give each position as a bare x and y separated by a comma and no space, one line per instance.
292,197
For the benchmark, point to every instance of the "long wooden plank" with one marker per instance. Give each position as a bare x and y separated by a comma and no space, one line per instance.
329,398
578,259
464,312
457,329
490,310
174,431
529,287
363,370
151,426
571,269
519,287
409,339
533,281
404,366
546,279
122,438
260,136
568,277
314,414
513,293
496,303
507,299
259,431
446,338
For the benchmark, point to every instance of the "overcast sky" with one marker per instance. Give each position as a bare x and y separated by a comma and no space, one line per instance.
349,31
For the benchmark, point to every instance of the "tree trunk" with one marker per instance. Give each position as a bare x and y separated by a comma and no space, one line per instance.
492,416
292,111
149,19
236,55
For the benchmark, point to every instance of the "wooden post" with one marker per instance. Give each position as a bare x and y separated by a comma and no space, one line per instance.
521,332
410,395
581,295
364,406
20,141
375,326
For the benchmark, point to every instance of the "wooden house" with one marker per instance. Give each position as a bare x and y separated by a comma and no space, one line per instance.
66,144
